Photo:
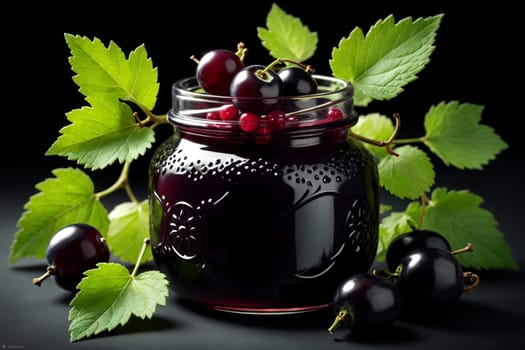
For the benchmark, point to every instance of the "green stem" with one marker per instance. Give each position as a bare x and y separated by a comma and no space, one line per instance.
153,118
123,180
409,140
139,259
385,273
121,183
424,204
383,143
341,317
241,51
270,66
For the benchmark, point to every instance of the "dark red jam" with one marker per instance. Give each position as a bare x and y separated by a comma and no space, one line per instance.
263,227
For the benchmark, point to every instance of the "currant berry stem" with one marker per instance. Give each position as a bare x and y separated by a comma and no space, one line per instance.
194,59
385,273
270,66
468,248
308,68
473,281
139,259
341,317
241,51
37,281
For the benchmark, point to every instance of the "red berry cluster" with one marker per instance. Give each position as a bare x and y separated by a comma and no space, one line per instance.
256,91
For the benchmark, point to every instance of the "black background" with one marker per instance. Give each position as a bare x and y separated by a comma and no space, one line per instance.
476,60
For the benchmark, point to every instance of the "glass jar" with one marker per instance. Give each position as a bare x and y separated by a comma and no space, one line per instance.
266,221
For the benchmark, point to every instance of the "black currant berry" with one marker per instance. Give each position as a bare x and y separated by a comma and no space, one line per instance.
297,81
256,89
70,252
407,242
430,277
366,302
216,69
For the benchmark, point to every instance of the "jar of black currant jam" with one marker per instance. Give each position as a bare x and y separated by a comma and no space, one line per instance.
268,220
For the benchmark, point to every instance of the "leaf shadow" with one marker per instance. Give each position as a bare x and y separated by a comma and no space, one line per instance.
139,325
64,298
34,268
136,325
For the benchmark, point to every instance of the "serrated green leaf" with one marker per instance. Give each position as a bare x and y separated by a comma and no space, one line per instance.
395,224
360,99
389,57
455,135
376,127
102,134
109,295
408,175
128,227
106,71
459,217
286,36
384,208
66,199
382,243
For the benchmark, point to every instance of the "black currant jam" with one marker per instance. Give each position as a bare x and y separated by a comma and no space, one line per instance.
266,221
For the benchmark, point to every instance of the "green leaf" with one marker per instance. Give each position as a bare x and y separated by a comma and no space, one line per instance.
360,99
389,57
395,224
384,208
101,134
382,243
109,295
458,216
408,175
128,227
377,127
106,71
66,199
286,36
455,135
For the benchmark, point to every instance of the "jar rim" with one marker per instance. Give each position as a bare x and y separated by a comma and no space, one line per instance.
189,105
190,85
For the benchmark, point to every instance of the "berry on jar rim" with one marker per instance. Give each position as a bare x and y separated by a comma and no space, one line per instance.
256,89
297,81
216,69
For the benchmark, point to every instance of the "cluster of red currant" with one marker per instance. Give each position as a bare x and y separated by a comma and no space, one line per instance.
422,274
256,91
